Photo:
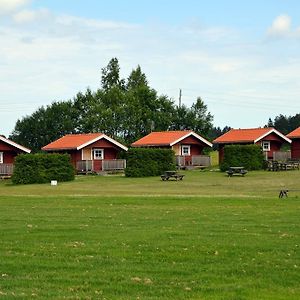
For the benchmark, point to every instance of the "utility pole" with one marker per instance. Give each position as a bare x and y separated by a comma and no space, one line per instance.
180,94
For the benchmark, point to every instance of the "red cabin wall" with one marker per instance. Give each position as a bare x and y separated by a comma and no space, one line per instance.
221,153
9,152
196,145
274,146
295,149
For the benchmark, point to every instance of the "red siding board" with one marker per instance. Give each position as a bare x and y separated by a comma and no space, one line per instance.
191,140
102,144
196,149
272,137
6,147
9,152
9,157
295,149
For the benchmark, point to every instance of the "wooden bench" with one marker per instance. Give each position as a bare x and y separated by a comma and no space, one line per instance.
172,175
236,171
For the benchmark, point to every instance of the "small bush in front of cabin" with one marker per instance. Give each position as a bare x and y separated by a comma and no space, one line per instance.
248,156
42,168
143,162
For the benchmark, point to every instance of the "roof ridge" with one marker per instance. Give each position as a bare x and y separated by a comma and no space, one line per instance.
90,133
255,128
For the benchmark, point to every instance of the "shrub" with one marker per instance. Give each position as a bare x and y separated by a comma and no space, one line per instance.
41,168
248,156
143,162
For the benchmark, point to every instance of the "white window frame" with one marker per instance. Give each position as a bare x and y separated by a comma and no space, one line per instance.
188,147
95,155
1,157
266,145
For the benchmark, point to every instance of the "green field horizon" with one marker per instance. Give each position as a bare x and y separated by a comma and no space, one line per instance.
111,237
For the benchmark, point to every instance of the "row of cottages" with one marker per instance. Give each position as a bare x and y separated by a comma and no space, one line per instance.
96,152
270,139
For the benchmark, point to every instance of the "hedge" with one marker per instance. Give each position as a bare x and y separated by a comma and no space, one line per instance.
42,168
143,162
248,156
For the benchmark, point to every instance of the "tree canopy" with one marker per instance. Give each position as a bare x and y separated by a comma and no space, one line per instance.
285,124
125,109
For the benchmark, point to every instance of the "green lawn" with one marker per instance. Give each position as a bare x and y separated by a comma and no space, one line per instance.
207,237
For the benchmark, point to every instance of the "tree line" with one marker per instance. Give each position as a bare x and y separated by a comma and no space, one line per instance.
284,124
125,109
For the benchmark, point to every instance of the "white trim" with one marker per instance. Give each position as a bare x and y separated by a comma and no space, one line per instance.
195,135
267,143
102,136
98,149
189,150
1,158
91,154
3,139
276,132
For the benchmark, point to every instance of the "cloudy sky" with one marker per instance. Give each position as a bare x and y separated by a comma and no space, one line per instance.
241,57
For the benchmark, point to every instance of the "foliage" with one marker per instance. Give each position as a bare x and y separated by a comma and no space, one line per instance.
249,156
45,125
195,118
42,168
126,110
215,132
285,124
143,162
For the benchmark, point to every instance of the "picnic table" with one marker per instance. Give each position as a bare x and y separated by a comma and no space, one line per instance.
171,174
236,171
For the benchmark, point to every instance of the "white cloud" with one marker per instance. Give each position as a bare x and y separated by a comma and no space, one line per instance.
67,20
26,15
8,6
60,55
282,28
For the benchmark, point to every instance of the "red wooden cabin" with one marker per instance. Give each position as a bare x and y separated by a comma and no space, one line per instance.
187,145
8,151
91,152
269,139
295,146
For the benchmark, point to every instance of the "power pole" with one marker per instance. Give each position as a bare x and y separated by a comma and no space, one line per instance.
180,94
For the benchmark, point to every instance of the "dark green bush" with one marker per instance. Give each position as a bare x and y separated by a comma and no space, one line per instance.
143,162
42,168
248,156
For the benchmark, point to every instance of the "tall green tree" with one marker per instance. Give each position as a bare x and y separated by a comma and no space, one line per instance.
123,109
45,125
196,118
111,75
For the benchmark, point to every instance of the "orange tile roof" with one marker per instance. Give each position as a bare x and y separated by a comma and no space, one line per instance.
167,138
242,135
294,134
71,141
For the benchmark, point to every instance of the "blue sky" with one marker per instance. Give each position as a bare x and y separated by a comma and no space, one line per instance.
241,57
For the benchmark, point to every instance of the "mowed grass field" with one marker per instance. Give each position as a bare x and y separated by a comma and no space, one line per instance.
206,237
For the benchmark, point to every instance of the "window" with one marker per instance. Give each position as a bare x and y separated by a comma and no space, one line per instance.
1,157
266,146
185,150
98,153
